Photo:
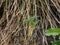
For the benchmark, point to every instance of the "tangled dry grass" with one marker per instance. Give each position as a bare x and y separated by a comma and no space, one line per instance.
13,29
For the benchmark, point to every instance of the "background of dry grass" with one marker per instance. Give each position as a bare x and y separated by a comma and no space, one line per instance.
13,29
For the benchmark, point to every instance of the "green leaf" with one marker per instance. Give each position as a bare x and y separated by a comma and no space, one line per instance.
52,32
56,42
31,19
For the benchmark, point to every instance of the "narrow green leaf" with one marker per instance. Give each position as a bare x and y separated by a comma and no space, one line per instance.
52,32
